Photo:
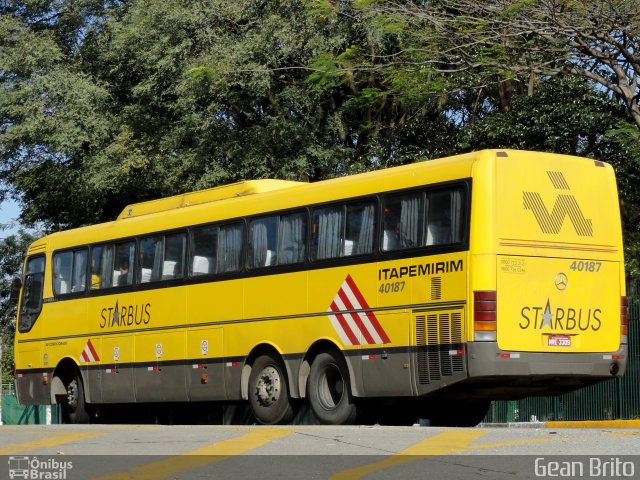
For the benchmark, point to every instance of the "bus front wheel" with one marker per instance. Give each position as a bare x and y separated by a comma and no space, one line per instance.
268,391
329,390
76,408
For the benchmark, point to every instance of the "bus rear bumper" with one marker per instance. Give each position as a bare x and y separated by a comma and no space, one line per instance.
485,358
510,375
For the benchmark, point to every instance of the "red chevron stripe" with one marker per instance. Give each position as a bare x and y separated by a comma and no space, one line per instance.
370,315
94,354
345,326
356,317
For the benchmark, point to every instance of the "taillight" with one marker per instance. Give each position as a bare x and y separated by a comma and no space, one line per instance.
484,315
623,319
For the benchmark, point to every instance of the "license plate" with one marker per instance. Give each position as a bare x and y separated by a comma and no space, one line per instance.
558,340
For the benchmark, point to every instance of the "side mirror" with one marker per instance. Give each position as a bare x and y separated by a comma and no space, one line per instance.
16,285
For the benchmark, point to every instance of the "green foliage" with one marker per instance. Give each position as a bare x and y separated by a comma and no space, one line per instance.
384,25
324,74
564,116
322,9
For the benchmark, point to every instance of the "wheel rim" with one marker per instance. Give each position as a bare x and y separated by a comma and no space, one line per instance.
268,386
72,395
331,387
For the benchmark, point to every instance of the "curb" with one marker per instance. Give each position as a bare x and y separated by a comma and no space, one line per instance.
567,424
513,425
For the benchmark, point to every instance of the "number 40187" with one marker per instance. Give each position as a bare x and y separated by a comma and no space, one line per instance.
391,287
584,266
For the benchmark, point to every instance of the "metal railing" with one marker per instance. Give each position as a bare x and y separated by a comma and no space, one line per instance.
7,388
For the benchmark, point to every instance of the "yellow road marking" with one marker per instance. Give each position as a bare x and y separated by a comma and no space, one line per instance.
202,456
449,441
443,443
57,439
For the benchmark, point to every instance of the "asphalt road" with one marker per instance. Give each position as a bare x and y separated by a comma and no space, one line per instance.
118,452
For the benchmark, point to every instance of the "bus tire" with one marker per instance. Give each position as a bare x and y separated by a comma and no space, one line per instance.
269,392
329,390
75,409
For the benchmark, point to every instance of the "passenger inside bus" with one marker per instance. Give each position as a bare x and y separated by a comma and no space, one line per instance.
123,273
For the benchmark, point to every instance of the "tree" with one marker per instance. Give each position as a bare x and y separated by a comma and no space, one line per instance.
104,104
51,113
509,41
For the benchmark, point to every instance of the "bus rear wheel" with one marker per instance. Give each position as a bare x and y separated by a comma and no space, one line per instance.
268,391
75,408
329,390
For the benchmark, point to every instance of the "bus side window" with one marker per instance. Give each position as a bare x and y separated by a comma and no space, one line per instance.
69,271
32,290
62,264
360,228
204,247
79,281
444,217
96,257
124,261
328,232
403,217
292,238
151,259
262,242
230,245
175,247
101,266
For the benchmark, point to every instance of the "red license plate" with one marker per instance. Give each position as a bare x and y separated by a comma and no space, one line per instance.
558,340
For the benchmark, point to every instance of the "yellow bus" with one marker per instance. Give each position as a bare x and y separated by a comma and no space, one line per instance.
420,291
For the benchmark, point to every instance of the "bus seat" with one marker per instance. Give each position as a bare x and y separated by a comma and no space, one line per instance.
348,247
389,241
270,259
116,277
437,235
430,237
145,275
202,265
63,286
169,269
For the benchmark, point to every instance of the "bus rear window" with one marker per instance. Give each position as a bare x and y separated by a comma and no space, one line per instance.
31,303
